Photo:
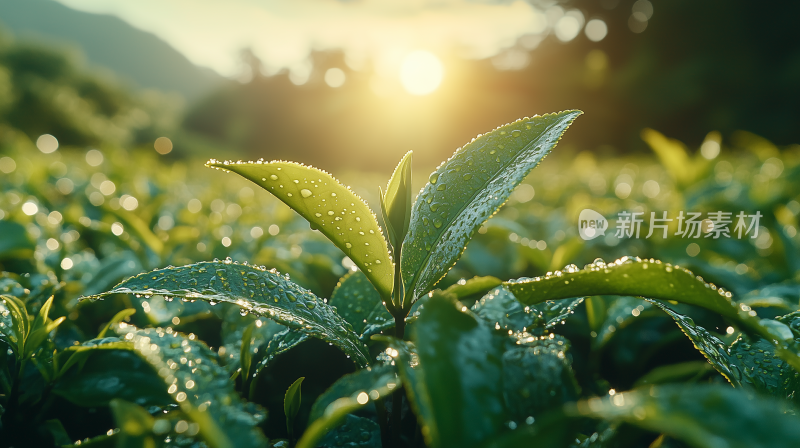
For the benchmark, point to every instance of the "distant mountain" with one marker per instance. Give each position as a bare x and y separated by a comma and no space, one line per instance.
136,56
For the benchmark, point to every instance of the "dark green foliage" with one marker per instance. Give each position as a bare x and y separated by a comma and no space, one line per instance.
187,356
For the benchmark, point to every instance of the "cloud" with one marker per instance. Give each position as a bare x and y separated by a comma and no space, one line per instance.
282,33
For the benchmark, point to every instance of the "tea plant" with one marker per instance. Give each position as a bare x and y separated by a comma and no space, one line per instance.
483,363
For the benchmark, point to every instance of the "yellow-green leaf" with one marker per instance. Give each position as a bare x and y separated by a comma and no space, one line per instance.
331,208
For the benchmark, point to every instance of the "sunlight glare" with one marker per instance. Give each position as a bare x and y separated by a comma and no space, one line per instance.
421,73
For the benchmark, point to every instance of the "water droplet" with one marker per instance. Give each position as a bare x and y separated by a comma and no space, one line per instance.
358,219
434,177
289,194
441,187
318,215
437,223
331,213
516,133
468,176
492,151
305,193
434,207
348,245
333,195
273,177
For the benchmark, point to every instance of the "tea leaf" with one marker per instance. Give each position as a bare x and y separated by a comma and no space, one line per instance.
354,432
14,324
382,379
347,395
359,303
396,202
200,386
701,415
502,309
459,375
468,189
538,378
109,370
331,208
280,343
291,404
255,290
645,278
745,364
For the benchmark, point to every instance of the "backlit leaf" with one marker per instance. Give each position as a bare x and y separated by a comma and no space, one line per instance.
468,189
255,290
331,208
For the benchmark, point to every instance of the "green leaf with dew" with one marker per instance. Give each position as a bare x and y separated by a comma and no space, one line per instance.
331,208
254,289
700,415
468,189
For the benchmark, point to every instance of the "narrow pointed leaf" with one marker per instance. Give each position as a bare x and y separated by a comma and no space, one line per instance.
359,303
330,207
349,394
701,415
255,290
291,403
14,323
397,198
280,343
198,384
468,189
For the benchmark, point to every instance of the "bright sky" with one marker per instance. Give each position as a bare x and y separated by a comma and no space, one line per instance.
282,33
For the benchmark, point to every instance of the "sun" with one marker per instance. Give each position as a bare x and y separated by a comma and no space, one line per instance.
421,72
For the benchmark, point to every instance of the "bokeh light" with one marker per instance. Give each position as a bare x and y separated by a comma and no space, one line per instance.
163,145
47,143
421,73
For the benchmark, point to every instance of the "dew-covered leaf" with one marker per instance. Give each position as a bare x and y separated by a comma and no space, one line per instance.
537,378
354,432
652,279
280,343
347,395
501,309
199,385
459,375
255,290
233,328
14,324
475,285
359,303
710,346
107,370
701,415
468,189
331,208
747,364
622,312
378,378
